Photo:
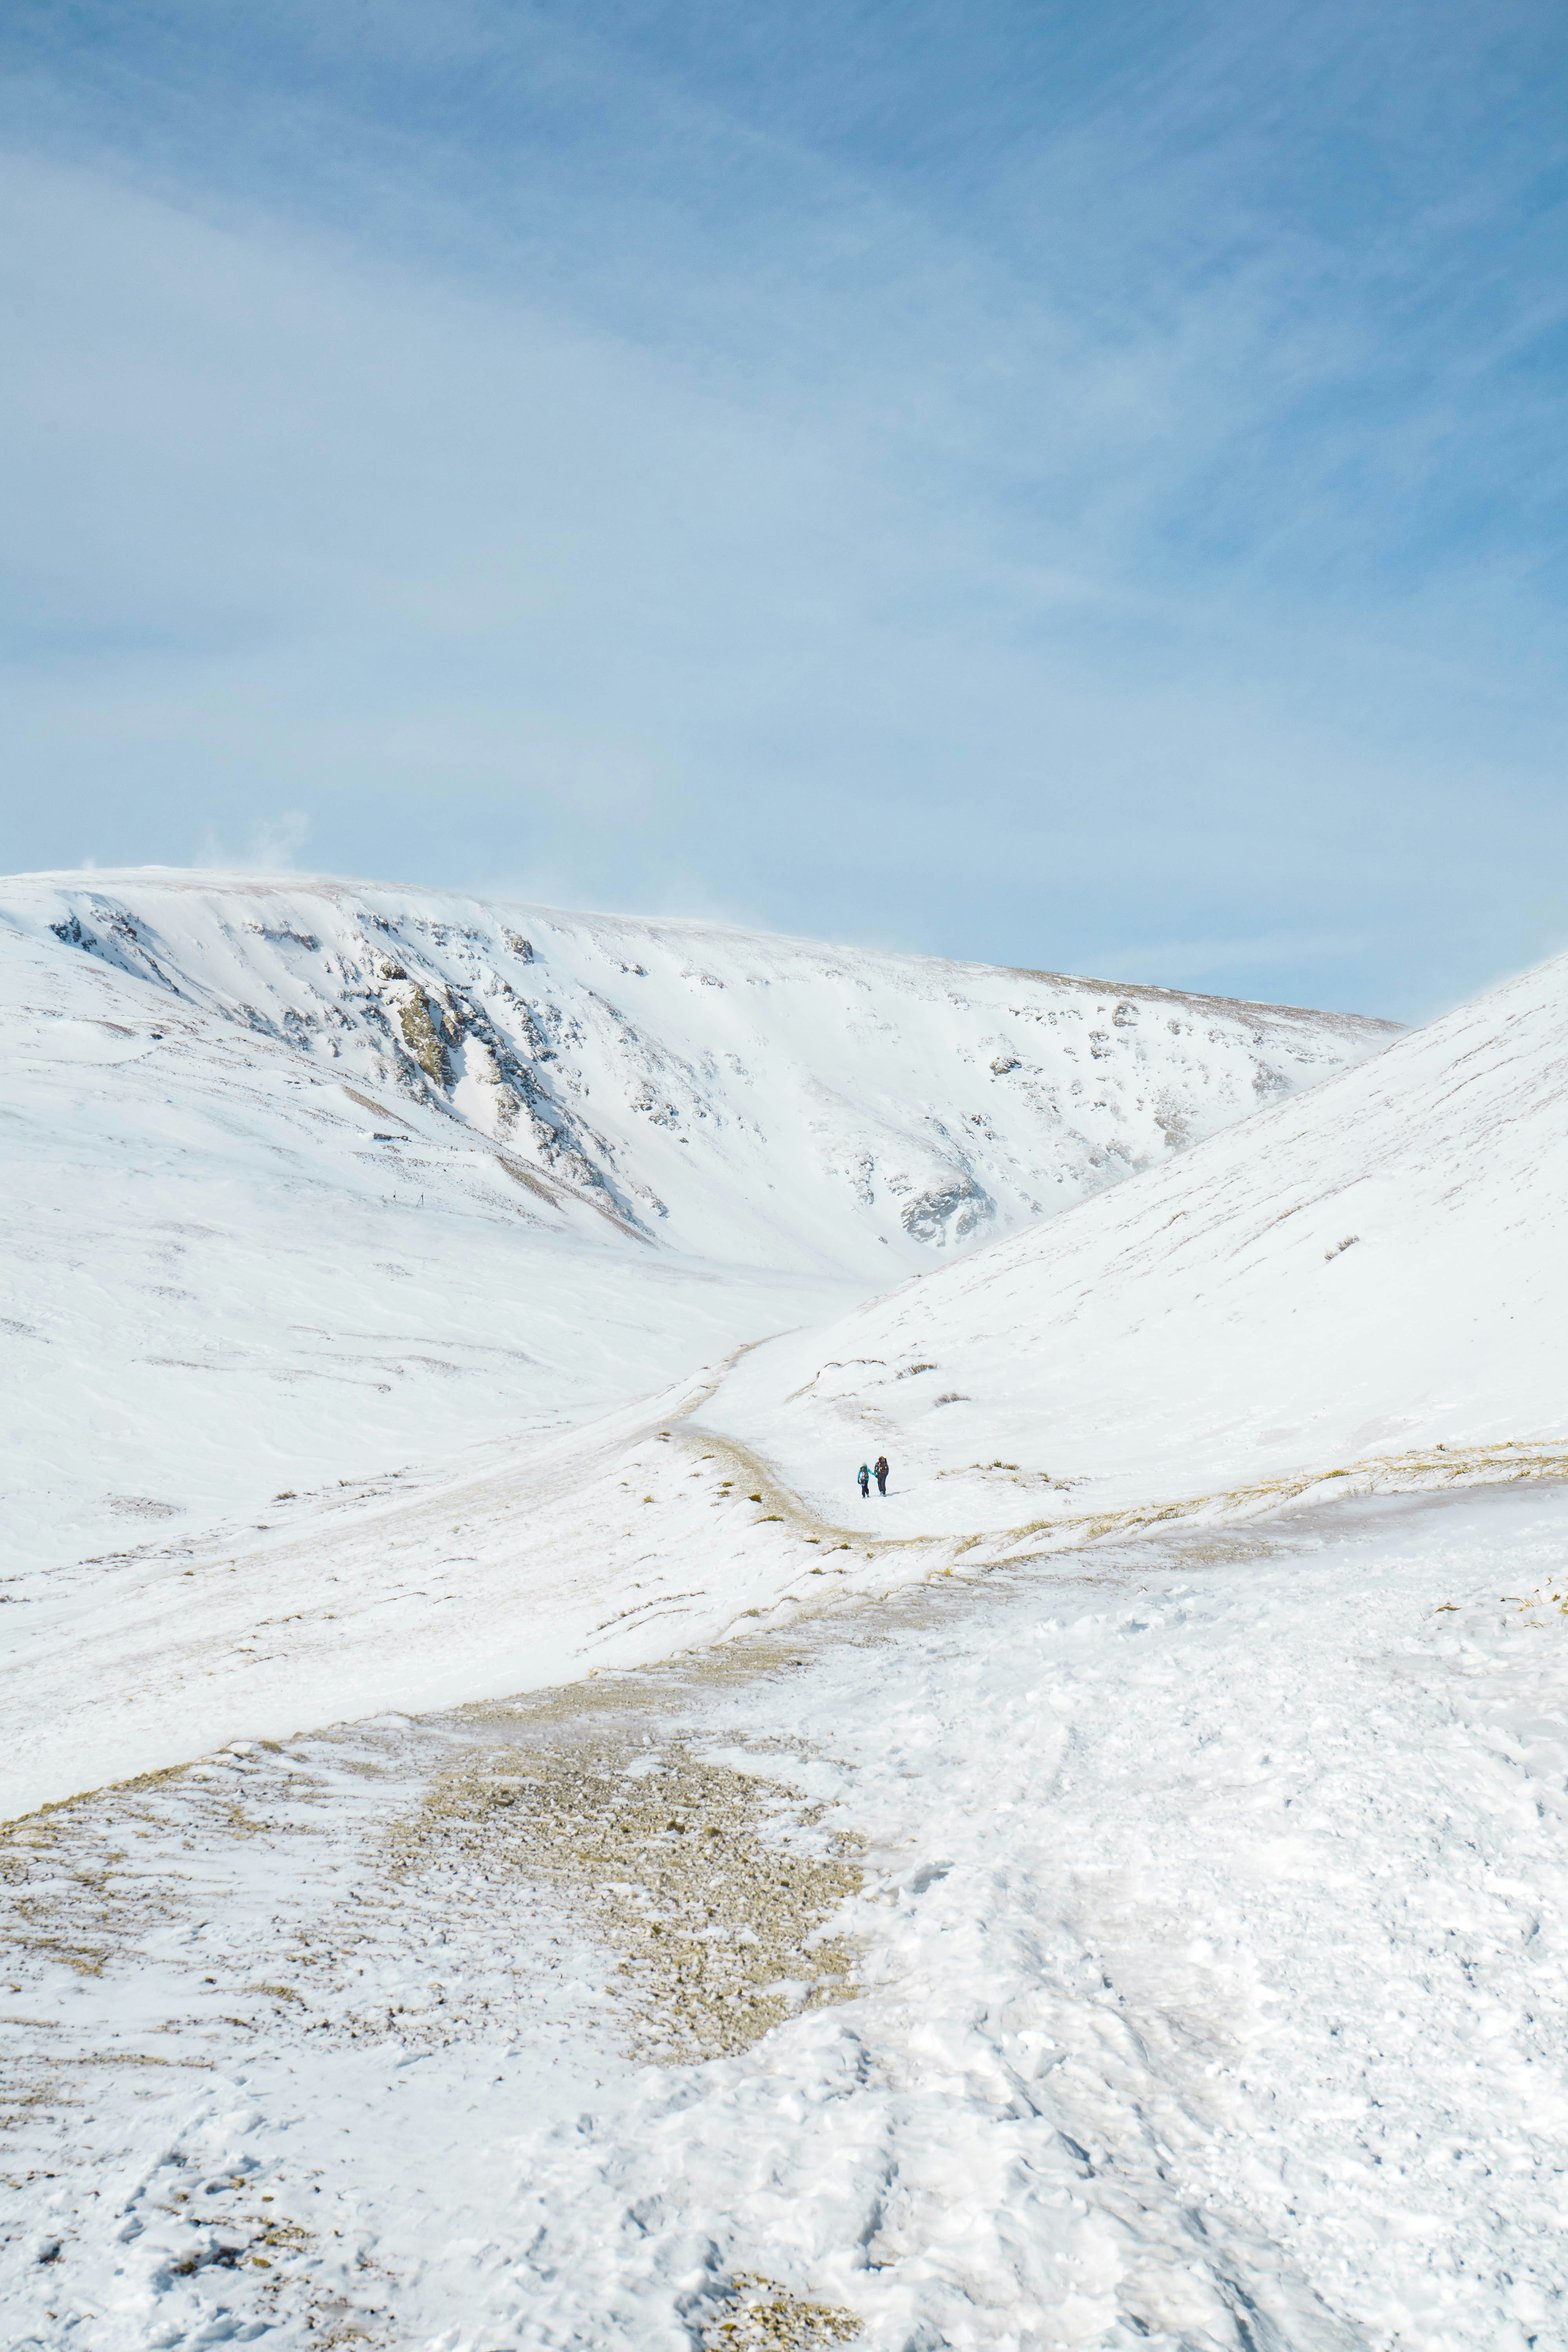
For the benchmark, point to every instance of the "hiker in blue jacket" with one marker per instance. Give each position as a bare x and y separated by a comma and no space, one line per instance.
863,1478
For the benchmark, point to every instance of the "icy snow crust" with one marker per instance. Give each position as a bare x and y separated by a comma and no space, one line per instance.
1207,1919
1366,1282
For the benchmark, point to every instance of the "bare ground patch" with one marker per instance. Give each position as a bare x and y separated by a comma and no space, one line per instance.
715,1886
762,2316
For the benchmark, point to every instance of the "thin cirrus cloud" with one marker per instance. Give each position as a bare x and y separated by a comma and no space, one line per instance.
1051,489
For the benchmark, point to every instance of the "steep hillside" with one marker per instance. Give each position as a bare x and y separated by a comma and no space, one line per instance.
306,1182
1375,1268
227,1276
744,1099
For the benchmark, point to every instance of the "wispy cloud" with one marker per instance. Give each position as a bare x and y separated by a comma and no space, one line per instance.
1061,483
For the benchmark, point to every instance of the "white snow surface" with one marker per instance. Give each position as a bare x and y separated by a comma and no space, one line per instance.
1212,1991
219,1285
310,1184
1367,1276
751,1099
1203,1888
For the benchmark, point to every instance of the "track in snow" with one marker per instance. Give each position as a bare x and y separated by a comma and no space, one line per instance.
1212,1983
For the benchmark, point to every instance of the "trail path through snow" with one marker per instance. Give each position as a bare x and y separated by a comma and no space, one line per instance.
1211,1991
1372,1266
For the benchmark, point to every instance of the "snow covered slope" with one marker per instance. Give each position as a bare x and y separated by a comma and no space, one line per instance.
1211,1987
1169,1954
220,1283
1376,1268
305,1182
750,1099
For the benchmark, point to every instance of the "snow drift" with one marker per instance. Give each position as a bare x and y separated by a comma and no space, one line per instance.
1376,1266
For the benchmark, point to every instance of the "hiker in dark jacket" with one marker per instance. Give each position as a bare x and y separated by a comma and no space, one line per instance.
881,1473
863,1479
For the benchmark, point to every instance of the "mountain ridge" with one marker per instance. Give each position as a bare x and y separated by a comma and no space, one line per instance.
928,1092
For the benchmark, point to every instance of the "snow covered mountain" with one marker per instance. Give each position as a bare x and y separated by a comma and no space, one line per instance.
743,1099
308,1185
305,1181
227,1276
1163,1947
1375,1268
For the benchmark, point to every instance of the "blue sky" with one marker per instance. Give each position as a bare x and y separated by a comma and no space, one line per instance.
1074,486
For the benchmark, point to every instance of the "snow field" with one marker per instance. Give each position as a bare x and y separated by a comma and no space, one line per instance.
983,1929
317,1193
1367,1272
519,1566
1210,1991
219,1285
